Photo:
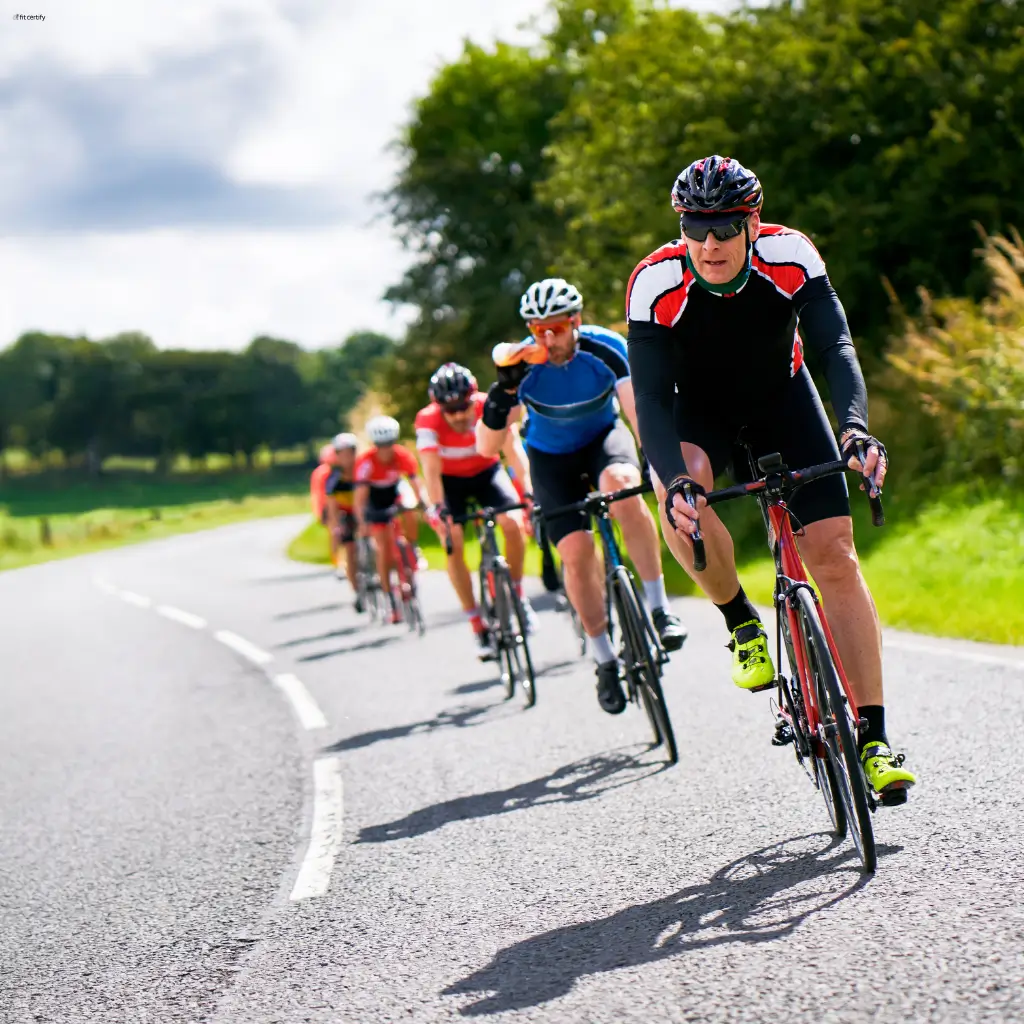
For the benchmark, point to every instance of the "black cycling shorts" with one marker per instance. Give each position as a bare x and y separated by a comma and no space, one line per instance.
490,489
571,476
791,421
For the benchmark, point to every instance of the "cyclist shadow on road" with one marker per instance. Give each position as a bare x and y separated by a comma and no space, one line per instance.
573,783
457,718
761,897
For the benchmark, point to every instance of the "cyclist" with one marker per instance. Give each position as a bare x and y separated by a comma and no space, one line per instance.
317,479
338,489
377,473
714,353
456,474
574,379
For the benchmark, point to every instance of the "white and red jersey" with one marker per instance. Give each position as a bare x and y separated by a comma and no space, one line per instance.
383,475
459,456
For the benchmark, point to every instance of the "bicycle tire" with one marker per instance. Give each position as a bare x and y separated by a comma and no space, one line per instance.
805,745
517,642
641,665
834,711
411,609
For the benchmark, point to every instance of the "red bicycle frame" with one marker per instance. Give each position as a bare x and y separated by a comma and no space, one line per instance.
784,540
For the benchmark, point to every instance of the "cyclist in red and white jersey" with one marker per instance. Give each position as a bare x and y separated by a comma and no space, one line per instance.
715,359
457,474
377,474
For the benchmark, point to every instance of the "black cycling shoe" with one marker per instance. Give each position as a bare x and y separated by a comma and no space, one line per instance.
670,630
609,689
485,651
358,605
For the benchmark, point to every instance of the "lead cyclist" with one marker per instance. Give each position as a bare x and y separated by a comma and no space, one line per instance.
715,358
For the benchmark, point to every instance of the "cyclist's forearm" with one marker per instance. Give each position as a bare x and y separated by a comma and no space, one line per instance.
826,332
654,399
431,462
488,440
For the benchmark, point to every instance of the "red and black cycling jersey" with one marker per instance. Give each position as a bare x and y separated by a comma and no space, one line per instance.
734,349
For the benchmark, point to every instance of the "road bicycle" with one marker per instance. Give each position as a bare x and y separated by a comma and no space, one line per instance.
815,710
641,654
368,589
500,606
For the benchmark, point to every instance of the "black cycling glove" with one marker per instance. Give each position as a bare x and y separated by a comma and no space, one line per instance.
857,437
678,486
498,405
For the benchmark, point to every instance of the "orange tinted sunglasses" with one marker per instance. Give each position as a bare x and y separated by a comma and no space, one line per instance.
552,327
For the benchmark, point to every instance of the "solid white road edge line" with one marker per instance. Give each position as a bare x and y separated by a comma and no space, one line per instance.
139,600
305,707
951,652
243,647
168,611
325,833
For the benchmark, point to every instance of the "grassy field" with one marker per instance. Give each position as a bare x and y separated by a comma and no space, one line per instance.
60,514
953,567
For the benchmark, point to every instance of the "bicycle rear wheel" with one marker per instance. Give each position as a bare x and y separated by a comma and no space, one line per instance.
410,597
513,641
838,729
642,665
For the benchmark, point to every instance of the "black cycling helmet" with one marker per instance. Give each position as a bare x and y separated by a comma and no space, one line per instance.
716,185
451,383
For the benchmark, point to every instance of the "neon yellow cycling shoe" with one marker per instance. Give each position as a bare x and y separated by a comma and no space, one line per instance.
885,772
752,667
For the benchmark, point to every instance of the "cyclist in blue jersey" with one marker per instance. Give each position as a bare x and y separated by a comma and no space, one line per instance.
574,380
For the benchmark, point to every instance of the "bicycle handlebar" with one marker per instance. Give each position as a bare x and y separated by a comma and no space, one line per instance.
481,513
595,499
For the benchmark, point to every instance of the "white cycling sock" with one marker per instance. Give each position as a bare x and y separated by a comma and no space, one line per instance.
654,592
601,647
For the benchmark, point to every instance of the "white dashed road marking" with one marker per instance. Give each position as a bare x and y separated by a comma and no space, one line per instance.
305,707
243,647
940,651
325,837
177,615
136,599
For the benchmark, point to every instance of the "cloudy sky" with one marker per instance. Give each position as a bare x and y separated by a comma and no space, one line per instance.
202,170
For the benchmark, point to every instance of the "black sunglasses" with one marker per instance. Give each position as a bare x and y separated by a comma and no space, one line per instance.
457,406
723,232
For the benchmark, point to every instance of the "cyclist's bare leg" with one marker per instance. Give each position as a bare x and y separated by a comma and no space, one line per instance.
515,545
830,556
639,530
584,581
719,580
410,525
350,563
458,571
382,543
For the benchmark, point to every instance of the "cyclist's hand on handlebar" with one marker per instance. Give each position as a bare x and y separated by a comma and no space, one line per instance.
875,463
682,516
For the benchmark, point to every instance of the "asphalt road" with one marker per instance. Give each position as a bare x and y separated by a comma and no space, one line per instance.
226,799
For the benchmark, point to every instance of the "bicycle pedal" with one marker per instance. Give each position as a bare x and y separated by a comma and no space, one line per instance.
761,689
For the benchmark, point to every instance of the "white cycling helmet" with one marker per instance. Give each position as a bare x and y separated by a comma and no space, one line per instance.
383,430
343,441
553,296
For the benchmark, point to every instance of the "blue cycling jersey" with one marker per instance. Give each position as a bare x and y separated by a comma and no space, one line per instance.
570,405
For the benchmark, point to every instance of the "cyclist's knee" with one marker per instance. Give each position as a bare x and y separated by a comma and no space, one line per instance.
619,476
828,549
576,549
511,524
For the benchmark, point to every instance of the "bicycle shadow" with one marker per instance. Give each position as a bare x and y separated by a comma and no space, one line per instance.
459,718
582,780
760,897
365,645
332,634
301,612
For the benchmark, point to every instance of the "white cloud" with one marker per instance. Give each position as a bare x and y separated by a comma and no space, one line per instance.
200,169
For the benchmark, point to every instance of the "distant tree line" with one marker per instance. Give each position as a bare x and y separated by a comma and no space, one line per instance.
124,396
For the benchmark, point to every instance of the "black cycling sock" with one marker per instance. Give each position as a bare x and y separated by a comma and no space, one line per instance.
874,730
738,610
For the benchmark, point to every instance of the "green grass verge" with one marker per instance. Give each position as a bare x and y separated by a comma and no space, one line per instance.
58,516
953,567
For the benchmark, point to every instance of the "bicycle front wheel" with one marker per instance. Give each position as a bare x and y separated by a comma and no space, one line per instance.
838,730
513,642
641,662
410,597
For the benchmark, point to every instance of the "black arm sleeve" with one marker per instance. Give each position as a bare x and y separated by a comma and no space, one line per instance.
651,370
826,332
